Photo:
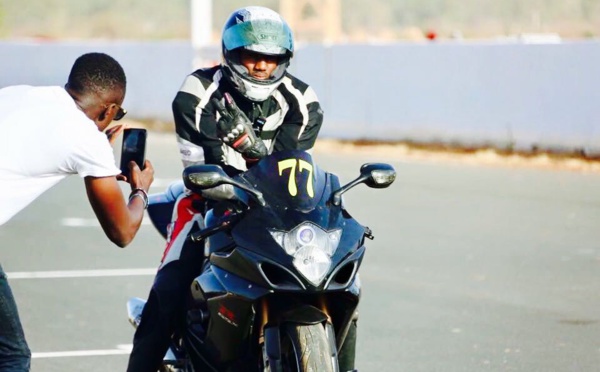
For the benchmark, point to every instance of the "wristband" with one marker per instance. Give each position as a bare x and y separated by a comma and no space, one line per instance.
142,194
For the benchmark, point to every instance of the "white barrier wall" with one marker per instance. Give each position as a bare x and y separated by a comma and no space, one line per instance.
509,95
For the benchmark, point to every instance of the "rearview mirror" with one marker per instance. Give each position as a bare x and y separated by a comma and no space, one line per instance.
208,176
375,175
378,175
204,176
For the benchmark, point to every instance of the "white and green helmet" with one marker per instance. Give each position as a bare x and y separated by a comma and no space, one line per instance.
263,31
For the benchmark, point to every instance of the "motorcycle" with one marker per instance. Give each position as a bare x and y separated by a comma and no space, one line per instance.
280,287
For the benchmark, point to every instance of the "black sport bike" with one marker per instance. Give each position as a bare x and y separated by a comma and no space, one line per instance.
279,288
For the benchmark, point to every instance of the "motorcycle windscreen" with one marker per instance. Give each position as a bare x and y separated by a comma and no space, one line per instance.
289,179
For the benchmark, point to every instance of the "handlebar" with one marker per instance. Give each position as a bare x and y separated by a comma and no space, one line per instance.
209,231
205,233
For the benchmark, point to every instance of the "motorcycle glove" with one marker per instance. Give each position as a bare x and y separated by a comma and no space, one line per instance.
235,129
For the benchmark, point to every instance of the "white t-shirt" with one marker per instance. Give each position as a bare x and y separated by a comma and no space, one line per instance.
45,137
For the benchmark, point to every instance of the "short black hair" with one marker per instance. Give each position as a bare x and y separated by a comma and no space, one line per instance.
96,73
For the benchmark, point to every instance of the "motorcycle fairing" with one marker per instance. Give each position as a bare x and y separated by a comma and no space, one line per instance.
233,298
248,268
288,179
258,269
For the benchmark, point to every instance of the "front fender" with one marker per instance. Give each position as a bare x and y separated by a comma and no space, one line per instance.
304,314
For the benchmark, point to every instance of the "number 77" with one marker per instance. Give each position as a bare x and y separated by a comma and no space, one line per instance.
302,166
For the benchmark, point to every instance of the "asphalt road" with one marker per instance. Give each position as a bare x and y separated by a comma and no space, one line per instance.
471,269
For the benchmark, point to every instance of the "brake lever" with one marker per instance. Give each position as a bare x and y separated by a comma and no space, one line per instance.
205,233
198,236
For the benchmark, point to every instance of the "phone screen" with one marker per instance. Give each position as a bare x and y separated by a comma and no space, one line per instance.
134,148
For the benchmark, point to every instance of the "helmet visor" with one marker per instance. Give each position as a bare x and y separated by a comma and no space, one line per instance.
263,36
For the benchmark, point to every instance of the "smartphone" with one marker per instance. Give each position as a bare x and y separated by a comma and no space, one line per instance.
133,148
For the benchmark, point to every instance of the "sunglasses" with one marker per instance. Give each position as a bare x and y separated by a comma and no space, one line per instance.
118,116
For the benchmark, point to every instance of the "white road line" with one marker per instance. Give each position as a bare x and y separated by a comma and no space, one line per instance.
79,273
120,350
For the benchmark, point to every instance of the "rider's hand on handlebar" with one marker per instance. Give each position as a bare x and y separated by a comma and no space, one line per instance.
235,129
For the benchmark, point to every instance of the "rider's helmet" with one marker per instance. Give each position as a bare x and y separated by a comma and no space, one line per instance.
260,30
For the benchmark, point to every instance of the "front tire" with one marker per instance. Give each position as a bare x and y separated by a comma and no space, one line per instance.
305,348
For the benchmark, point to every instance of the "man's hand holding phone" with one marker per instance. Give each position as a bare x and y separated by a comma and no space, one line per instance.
135,169
133,149
140,179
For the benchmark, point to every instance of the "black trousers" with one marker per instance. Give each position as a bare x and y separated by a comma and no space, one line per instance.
14,352
164,310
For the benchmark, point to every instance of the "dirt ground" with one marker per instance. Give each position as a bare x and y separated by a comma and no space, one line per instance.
473,157
436,153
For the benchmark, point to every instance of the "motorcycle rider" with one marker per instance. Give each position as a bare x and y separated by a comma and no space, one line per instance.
231,115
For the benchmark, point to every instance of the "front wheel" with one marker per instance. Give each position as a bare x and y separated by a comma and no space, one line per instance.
305,348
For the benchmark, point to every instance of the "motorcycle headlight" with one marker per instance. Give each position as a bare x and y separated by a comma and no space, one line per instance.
311,247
